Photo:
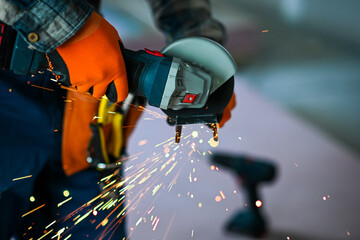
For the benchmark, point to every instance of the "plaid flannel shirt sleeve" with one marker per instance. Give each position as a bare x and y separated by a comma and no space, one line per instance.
184,18
53,21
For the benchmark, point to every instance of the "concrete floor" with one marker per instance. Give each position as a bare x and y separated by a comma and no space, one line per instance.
313,197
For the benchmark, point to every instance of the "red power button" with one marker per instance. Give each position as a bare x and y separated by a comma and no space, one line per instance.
189,98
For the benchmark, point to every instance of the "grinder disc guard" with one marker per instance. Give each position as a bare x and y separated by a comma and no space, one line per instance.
219,62
208,53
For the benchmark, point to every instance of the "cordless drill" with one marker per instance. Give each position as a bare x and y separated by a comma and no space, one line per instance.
250,173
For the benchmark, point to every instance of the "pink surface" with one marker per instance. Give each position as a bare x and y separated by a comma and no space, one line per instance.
311,166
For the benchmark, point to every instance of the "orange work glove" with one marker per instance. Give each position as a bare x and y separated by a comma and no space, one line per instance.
226,115
91,61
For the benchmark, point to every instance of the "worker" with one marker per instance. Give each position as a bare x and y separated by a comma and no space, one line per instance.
44,127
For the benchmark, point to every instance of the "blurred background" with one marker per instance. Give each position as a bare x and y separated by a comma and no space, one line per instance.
298,94
301,54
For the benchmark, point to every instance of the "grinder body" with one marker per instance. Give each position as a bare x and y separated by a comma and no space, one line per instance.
191,79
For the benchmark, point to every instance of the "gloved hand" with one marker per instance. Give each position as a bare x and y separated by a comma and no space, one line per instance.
226,115
91,61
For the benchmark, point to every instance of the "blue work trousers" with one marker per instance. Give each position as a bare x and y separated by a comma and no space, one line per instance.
32,182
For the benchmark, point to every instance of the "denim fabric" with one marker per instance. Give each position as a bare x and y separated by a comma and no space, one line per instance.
54,21
30,124
30,114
